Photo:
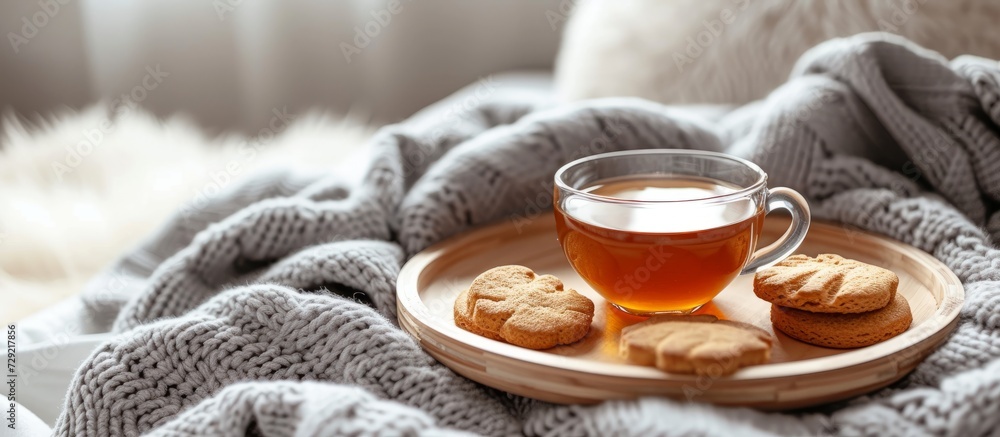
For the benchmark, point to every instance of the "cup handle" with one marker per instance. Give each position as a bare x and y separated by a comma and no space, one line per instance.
785,198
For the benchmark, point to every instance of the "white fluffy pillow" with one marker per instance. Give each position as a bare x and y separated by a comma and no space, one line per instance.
735,51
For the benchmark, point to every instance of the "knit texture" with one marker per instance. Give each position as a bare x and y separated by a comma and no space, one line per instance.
271,311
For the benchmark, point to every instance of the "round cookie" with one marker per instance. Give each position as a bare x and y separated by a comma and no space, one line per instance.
826,284
844,331
463,318
641,349
695,344
513,304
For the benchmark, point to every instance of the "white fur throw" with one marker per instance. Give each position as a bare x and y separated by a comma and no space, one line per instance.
735,51
78,189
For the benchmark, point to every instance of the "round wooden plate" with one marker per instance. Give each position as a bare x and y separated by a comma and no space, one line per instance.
590,370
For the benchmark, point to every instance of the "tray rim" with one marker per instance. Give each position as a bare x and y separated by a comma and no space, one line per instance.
415,317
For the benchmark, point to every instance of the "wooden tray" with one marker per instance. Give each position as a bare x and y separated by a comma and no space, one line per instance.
590,370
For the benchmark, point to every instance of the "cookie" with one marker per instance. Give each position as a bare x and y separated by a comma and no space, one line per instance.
695,344
463,318
641,349
513,304
843,331
826,284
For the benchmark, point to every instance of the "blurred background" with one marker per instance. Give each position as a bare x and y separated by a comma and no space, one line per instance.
231,61
118,115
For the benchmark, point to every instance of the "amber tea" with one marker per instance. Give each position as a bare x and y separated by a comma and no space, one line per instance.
666,230
657,259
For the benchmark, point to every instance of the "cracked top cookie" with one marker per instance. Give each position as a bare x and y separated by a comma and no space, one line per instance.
513,304
826,284
700,345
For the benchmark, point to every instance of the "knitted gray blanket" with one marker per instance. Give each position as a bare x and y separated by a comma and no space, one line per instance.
271,310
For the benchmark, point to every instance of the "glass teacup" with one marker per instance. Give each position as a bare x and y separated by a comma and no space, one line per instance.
665,231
